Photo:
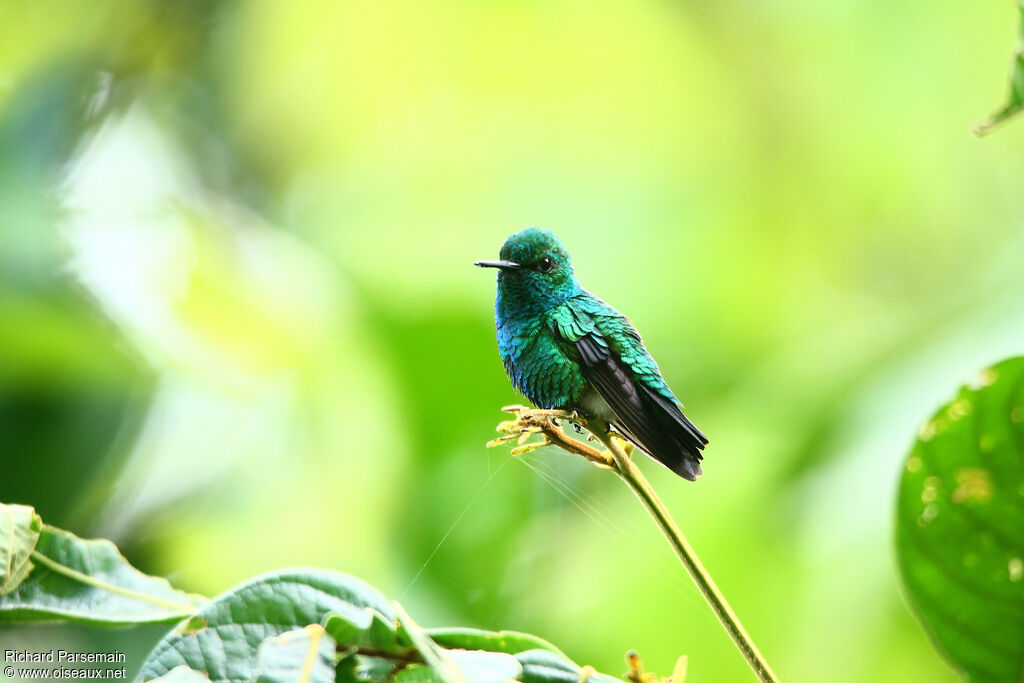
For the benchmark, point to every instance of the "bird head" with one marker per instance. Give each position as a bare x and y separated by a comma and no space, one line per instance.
534,271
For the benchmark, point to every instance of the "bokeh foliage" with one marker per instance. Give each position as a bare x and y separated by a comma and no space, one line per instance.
1015,96
237,296
960,525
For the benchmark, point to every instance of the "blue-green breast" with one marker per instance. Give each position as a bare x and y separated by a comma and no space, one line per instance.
537,363
540,356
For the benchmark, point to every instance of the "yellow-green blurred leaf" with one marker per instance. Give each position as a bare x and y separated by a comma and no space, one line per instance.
1015,98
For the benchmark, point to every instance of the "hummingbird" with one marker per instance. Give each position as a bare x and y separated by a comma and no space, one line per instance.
564,348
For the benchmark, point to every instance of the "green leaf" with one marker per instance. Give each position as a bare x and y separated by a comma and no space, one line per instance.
432,654
230,639
477,666
237,622
368,668
1015,98
303,655
511,642
543,666
19,533
474,666
183,674
417,674
347,668
960,526
368,629
90,581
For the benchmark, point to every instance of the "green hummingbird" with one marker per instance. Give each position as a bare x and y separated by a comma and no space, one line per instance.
564,348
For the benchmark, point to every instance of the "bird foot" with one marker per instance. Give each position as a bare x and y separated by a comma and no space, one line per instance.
626,446
530,421
523,412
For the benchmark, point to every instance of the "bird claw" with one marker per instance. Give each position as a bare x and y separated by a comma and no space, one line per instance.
501,440
526,434
529,421
526,448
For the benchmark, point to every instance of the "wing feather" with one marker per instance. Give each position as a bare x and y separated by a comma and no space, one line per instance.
649,420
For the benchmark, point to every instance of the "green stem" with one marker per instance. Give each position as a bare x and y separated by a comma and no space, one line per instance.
632,475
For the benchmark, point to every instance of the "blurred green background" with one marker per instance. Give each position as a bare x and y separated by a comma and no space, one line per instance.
240,329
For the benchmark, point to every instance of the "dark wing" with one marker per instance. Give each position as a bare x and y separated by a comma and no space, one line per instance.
652,422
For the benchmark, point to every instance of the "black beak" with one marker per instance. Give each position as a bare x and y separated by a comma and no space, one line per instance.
504,265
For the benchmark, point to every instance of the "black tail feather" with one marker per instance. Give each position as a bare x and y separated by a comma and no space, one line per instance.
683,440
672,439
650,421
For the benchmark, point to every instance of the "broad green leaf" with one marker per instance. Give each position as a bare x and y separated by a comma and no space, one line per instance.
374,633
960,526
347,668
19,533
477,666
369,668
90,581
369,630
224,646
418,673
1015,98
303,655
543,666
232,639
183,674
433,655
511,642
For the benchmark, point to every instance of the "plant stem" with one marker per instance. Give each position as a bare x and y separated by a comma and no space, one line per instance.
632,475
615,458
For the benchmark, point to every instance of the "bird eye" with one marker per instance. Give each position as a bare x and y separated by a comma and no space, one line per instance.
545,264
